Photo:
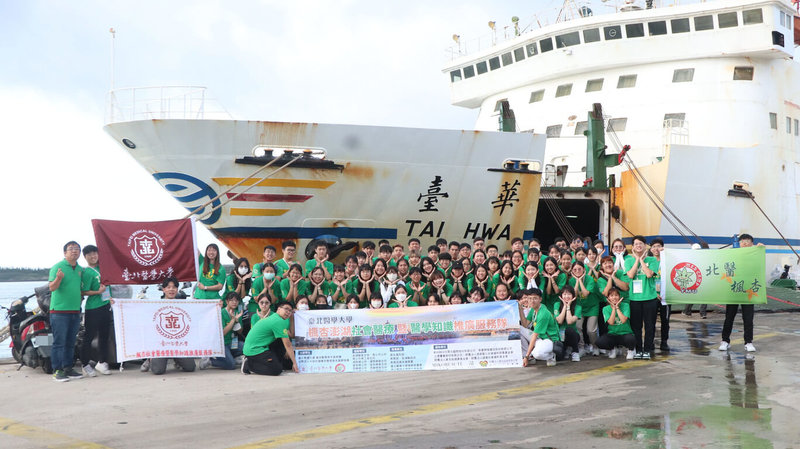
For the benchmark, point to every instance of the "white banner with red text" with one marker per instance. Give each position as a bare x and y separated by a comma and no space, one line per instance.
167,328
464,336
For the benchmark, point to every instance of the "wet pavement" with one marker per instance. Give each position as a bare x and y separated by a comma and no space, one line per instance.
694,396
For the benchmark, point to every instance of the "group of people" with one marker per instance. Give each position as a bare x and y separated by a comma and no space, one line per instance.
575,298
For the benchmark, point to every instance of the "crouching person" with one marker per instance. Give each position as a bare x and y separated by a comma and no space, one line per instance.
616,314
545,339
170,288
268,349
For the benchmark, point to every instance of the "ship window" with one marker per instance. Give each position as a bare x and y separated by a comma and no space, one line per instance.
537,96
546,44
494,63
702,23
554,131
591,35
580,127
773,120
594,85
626,81
507,59
568,40
564,90
727,20
657,28
519,54
617,124
674,119
795,127
455,75
682,75
783,19
752,16
743,73
679,25
469,71
531,49
481,66
788,125
612,32
634,30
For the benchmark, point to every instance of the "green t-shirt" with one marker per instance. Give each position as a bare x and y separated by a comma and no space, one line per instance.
281,267
602,281
303,287
311,264
409,303
618,328
514,284
648,285
264,332
564,325
549,299
274,291
255,318
472,283
590,305
258,267
226,318
67,297
91,282
210,278
544,324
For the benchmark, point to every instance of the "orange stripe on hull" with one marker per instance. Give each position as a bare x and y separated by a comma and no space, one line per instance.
248,212
272,182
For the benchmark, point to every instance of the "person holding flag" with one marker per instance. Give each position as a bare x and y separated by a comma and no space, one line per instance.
748,310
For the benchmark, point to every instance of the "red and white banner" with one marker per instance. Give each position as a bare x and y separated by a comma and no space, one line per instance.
167,328
146,252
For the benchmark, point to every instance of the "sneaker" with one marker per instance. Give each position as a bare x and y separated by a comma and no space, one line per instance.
637,356
686,314
89,371
60,376
576,357
205,362
245,369
72,374
102,368
703,315
595,351
239,360
749,347
724,346
552,360
664,346
612,354
631,354
145,366
645,356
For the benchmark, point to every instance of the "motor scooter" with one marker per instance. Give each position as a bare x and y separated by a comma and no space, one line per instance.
31,337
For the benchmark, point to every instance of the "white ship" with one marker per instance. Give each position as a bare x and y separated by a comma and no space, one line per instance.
254,183
707,95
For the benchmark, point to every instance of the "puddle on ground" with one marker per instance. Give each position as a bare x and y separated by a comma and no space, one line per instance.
738,424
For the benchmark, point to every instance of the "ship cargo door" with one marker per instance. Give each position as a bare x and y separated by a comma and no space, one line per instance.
585,217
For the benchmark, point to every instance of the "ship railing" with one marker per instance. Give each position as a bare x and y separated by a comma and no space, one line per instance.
163,102
569,10
675,131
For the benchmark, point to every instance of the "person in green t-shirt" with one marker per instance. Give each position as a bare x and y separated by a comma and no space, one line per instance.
97,315
263,354
264,309
480,280
664,309
289,253
552,282
588,304
529,278
212,275
439,285
641,269
320,260
616,314
231,325
266,284
567,316
158,365
268,257
476,295
65,281
241,278
501,293
294,286
507,275
545,330
319,287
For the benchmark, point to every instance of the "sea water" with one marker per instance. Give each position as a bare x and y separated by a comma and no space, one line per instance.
11,291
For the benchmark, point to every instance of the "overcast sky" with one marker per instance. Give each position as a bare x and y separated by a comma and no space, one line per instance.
356,62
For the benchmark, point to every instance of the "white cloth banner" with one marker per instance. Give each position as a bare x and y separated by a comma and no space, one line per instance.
167,328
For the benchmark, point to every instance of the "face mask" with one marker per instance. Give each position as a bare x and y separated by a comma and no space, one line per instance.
352,306
269,276
376,303
400,298
302,307
322,306
391,276
243,270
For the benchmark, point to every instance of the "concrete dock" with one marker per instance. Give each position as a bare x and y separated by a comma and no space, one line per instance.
694,396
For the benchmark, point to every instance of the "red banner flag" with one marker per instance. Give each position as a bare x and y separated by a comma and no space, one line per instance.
146,252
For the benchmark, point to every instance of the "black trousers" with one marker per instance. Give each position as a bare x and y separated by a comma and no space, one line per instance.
611,341
270,362
663,312
747,317
96,322
644,313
